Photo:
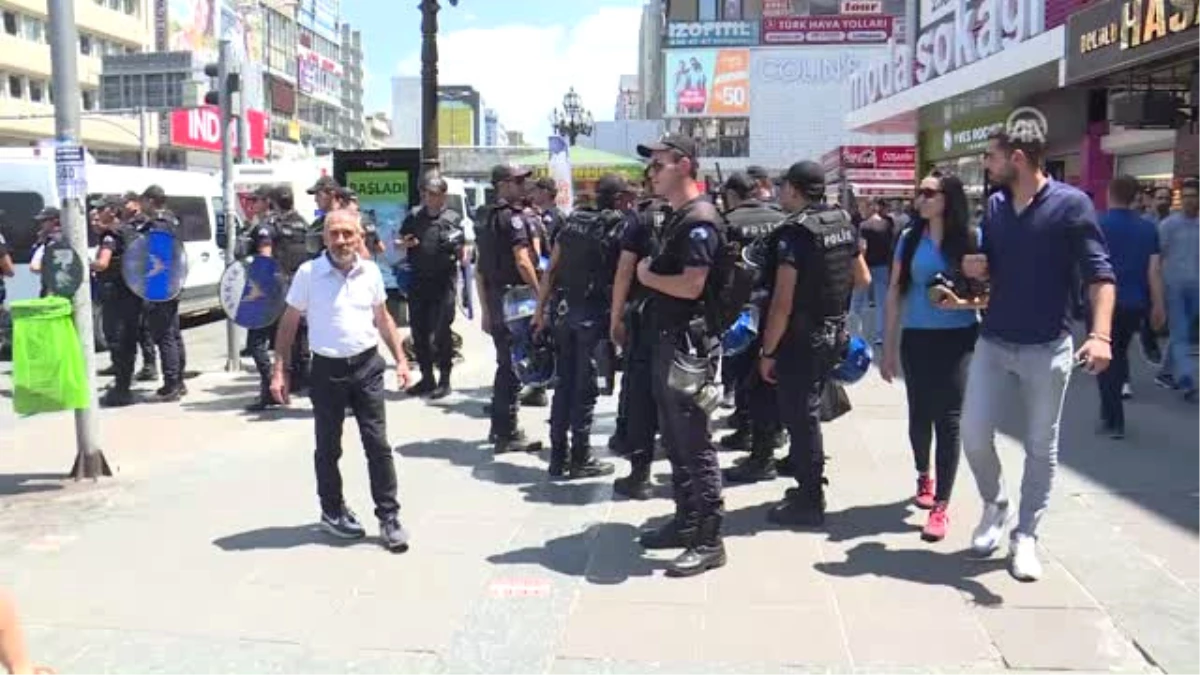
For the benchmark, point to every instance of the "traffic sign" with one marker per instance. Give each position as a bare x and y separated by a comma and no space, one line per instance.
70,171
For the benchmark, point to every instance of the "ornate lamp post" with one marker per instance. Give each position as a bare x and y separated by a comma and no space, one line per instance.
429,82
572,121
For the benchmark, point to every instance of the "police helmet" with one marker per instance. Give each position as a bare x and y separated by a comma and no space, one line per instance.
742,333
855,363
533,360
519,303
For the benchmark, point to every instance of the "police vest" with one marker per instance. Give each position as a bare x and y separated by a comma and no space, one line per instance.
290,248
435,257
824,282
589,245
752,219
670,312
494,243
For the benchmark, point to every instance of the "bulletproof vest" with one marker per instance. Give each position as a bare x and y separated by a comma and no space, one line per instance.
494,243
315,238
162,221
752,219
123,236
588,247
825,282
671,312
654,214
290,248
434,258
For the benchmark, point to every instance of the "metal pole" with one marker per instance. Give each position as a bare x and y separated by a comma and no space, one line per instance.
64,41
429,84
233,362
242,150
143,147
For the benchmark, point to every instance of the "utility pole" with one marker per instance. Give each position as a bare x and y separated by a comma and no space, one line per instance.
64,48
227,84
429,83
143,147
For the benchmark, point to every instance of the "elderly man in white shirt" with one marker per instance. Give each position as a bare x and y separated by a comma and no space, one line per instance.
344,299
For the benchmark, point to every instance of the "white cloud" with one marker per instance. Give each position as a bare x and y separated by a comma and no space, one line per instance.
523,71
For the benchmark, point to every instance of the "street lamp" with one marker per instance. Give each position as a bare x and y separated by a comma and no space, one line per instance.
572,121
429,82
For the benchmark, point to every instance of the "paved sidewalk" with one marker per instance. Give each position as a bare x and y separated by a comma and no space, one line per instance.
201,556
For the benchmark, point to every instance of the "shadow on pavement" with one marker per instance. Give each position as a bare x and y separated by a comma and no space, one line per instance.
918,566
29,483
281,538
603,554
458,453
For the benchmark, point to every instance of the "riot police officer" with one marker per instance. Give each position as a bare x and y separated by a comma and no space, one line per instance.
326,192
748,219
631,330
122,309
544,196
677,279
764,185
583,263
539,197
433,235
503,238
49,233
162,318
290,250
131,216
812,268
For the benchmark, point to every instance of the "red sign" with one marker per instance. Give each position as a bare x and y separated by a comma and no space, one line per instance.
827,30
200,129
878,157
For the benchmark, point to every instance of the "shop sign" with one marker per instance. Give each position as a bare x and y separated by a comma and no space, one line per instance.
712,33
967,137
878,157
881,175
827,30
777,8
1027,124
862,7
973,33
1122,33
200,129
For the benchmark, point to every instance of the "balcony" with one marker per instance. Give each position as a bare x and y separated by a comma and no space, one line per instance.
21,55
102,133
113,24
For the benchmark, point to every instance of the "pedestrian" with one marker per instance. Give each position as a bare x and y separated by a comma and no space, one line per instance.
506,260
327,194
932,340
1040,237
433,237
764,187
813,266
878,232
1133,249
1180,242
676,279
343,294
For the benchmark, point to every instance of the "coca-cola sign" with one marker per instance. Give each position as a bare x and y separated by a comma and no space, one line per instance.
200,129
878,157
858,157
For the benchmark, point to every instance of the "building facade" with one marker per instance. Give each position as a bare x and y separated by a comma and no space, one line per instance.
378,129
629,99
320,74
650,59
353,133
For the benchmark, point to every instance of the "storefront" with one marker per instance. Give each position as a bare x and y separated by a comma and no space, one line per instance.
870,171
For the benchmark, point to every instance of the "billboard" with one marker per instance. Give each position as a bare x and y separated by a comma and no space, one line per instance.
712,33
707,83
191,26
200,129
827,30
456,123
386,183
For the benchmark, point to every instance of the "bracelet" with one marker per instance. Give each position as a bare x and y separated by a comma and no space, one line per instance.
1103,338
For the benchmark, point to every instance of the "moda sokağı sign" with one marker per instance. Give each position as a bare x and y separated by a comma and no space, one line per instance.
973,32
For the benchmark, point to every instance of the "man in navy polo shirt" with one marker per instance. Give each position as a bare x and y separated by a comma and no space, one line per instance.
1039,237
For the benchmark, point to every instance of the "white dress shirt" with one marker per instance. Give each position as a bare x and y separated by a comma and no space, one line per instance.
340,306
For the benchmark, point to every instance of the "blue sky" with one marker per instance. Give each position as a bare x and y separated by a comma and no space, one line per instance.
499,46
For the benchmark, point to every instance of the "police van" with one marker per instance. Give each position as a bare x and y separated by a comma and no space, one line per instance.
27,183
298,175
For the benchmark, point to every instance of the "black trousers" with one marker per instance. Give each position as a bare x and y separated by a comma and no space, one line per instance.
1125,324
162,321
110,323
123,311
695,470
637,388
764,421
431,313
801,379
505,386
356,382
574,403
736,372
260,340
935,366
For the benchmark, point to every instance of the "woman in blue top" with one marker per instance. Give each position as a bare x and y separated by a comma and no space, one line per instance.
932,342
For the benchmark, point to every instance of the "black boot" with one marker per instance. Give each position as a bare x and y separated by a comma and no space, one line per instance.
759,466
584,465
443,386
169,392
558,460
705,552
637,484
675,533
264,402
116,398
148,373
515,442
425,386
801,507
535,397
107,372
738,440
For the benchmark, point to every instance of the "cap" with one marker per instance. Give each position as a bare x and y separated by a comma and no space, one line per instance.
807,175
546,183
130,196
347,194
503,172
681,144
47,213
757,172
740,184
107,202
281,193
612,184
262,192
323,183
154,192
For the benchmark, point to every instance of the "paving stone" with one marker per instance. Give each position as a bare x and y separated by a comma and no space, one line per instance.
1060,639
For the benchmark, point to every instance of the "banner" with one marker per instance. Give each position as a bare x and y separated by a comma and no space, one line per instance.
712,33
559,164
383,199
192,26
828,30
708,82
200,129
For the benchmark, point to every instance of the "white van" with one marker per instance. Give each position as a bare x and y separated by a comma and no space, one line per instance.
459,200
298,175
27,183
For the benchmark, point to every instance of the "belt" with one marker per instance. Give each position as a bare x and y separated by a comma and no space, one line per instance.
349,361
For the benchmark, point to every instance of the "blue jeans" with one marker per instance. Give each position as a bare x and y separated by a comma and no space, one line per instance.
1183,304
1003,376
860,303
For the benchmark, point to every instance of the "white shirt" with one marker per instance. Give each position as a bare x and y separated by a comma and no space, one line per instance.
340,306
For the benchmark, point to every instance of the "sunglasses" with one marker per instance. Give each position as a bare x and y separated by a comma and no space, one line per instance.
929,193
656,166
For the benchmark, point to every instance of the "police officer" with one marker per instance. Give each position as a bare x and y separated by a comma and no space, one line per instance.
433,235
326,192
748,219
131,218
49,233
764,185
290,250
539,197
812,267
6,265
162,318
122,309
544,196
582,266
504,241
677,278
629,328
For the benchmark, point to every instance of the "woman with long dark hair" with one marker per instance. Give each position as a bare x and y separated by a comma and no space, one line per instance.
932,340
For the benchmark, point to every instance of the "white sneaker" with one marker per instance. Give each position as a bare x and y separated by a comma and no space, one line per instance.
1023,561
987,536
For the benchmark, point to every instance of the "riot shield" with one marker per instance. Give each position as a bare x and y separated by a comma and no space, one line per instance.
253,292
154,266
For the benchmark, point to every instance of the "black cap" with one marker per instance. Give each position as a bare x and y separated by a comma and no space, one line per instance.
740,184
262,192
323,183
546,183
612,184
347,194
503,172
130,196
107,202
757,172
281,193
684,145
154,192
809,176
47,213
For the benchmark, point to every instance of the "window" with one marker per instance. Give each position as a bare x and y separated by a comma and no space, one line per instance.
193,217
131,7
725,137
85,44
37,90
33,29
10,23
114,5
708,10
89,99
17,224
16,86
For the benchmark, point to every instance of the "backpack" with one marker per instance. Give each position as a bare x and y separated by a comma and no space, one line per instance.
589,247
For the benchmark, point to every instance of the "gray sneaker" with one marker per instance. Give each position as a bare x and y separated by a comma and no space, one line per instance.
393,534
344,525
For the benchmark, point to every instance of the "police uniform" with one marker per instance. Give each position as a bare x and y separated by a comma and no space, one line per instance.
431,299
4,252
534,396
290,249
162,318
122,312
821,245
258,340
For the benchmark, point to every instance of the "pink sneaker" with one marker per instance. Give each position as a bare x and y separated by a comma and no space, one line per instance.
924,499
939,522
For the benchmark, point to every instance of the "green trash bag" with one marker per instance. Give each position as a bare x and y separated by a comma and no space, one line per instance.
48,371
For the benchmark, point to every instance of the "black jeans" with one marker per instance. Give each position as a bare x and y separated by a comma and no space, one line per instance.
123,311
162,321
505,385
695,470
575,394
431,313
1125,324
357,382
935,366
800,383
259,340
